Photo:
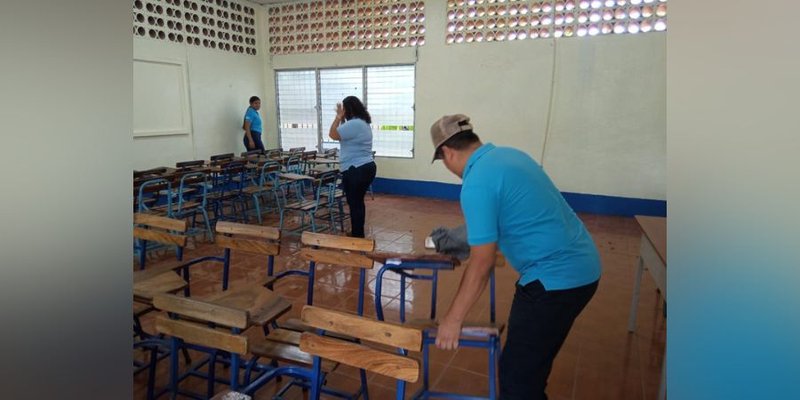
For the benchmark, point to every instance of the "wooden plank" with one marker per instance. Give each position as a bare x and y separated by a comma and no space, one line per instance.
360,356
284,336
363,328
170,224
263,306
287,352
202,310
655,229
159,236
251,246
144,289
201,335
336,258
337,242
263,232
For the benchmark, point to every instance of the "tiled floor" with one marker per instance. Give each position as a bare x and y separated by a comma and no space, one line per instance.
599,360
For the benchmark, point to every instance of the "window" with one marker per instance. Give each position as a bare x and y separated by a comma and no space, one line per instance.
307,106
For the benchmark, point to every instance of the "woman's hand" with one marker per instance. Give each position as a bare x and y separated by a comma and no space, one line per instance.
339,111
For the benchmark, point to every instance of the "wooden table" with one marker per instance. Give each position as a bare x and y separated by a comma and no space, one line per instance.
653,257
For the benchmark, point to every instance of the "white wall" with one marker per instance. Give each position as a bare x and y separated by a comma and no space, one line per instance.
219,85
605,133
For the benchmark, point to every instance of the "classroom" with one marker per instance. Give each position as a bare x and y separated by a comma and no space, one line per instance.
279,255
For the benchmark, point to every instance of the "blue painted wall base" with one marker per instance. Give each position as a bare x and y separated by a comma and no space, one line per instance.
580,202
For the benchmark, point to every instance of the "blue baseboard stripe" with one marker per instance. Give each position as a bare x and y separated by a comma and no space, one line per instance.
580,202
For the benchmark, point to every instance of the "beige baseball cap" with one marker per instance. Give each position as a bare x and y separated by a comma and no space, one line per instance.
445,128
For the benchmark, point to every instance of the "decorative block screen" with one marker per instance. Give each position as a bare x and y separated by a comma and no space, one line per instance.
501,20
337,25
216,24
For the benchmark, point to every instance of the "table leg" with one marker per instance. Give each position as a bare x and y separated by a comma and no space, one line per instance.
637,283
378,290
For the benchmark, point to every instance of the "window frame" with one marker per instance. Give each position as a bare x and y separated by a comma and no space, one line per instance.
322,131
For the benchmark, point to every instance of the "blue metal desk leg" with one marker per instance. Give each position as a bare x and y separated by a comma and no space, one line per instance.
173,368
362,278
378,291
142,253
434,285
492,367
402,298
312,268
226,267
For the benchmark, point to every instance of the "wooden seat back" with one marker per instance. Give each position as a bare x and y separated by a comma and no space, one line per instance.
365,356
336,250
160,229
207,324
190,164
221,157
249,238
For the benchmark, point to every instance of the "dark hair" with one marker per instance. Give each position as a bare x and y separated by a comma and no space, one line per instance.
459,141
254,99
354,108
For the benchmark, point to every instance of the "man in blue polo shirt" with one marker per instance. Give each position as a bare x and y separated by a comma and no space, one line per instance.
510,203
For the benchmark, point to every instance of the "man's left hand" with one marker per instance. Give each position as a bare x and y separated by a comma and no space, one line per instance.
448,333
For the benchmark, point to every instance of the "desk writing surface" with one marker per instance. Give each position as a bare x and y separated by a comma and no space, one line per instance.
381,257
294,177
655,229
262,304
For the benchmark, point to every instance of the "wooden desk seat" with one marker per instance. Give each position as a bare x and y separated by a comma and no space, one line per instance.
284,345
301,205
258,189
141,308
155,280
186,205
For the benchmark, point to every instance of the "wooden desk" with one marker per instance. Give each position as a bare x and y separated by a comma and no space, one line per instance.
320,160
155,280
405,266
653,257
294,177
262,305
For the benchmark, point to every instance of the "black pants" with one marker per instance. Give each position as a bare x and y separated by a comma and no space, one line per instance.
355,182
537,326
259,145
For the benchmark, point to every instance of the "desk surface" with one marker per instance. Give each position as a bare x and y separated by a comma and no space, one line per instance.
294,177
381,257
655,229
262,304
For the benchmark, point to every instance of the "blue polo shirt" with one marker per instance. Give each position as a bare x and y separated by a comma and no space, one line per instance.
507,198
355,142
254,118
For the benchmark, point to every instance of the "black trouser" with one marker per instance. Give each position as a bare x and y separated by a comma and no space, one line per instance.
537,326
259,145
355,182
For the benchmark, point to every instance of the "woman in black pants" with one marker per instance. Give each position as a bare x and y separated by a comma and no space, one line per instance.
351,128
